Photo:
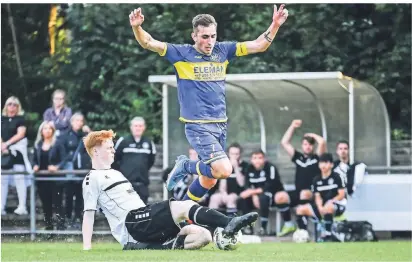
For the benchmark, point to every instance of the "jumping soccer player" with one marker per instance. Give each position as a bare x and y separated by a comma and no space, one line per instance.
132,223
201,72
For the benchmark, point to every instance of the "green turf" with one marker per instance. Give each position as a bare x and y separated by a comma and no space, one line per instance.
380,251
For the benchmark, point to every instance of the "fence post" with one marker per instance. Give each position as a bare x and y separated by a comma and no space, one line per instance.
33,208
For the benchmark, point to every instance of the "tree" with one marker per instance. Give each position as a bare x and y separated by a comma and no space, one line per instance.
105,71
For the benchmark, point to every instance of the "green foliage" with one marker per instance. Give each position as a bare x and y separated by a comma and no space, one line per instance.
105,71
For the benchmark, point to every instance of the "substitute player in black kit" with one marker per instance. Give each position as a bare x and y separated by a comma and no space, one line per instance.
306,162
263,186
136,225
330,199
351,174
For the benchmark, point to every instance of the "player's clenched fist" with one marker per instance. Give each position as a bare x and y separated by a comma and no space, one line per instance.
136,17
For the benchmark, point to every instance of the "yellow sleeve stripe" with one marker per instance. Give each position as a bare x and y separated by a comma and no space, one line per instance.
193,197
198,169
241,49
164,50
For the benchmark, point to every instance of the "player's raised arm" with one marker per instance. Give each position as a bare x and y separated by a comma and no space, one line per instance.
87,229
136,19
264,40
288,136
321,143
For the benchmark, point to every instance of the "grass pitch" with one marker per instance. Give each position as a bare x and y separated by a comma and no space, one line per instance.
380,251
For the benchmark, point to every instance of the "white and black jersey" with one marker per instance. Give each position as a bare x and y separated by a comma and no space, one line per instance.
110,191
328,187
267,178
352,175
307,168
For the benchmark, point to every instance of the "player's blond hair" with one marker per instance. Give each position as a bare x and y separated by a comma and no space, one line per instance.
96,138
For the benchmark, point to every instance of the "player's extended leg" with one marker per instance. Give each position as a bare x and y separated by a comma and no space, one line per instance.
282,201
189,237
204,216
209,141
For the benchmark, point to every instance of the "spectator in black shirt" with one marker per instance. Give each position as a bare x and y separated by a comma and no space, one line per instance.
135,155
229,189
306,162
49,155
14,154
329,190
263,186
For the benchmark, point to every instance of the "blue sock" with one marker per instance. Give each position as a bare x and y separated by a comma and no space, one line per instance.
198,168
195,191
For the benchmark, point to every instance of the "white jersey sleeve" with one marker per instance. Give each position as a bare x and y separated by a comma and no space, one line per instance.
91,192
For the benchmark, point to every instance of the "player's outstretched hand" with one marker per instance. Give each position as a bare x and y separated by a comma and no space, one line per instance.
280,16
136,17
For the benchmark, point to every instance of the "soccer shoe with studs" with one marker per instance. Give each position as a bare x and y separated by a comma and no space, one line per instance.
178,172
237,223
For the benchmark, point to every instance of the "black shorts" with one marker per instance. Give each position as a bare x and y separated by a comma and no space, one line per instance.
339,210
152,223
294,197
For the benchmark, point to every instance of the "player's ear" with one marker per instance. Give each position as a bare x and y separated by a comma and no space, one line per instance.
194,37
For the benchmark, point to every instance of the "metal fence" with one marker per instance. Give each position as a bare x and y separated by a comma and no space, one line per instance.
33,231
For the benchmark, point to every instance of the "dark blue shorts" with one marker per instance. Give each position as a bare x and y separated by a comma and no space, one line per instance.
208,139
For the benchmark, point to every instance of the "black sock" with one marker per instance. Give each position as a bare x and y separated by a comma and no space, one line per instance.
304,201
328,222
231,212
205,216
285,212
264,202
264,222
302,222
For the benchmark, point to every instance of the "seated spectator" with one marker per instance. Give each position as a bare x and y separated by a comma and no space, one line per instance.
263,185
49,155
72,141
181,188
59,113
352,174
330,199
228,189
14,154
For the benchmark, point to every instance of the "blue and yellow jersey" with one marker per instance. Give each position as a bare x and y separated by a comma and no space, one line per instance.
201,79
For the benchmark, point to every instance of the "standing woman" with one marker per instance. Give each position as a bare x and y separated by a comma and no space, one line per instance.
14,154
49,155
59,113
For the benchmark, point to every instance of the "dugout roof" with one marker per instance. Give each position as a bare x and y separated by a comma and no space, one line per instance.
261,107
